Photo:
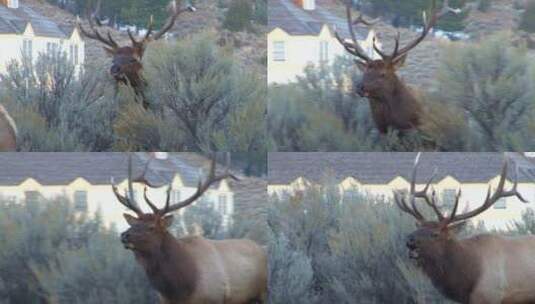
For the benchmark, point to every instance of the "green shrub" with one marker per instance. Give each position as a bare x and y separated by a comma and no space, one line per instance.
492,84
356,250
527,22
201,100
484,5
239,15
52,254
261,12
207,96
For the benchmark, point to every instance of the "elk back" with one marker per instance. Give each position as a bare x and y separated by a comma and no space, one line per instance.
234,270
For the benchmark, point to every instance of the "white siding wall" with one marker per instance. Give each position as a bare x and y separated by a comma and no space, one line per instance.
101,198
11,46
302,51
473,195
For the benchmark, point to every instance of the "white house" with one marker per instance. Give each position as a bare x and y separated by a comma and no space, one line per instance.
84,178
301,32
24,32
378,174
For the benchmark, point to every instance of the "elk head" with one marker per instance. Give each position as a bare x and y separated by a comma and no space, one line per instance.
379,81
431,236
127,60
148,231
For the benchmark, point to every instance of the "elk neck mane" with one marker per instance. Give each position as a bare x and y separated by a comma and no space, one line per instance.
453,268
171,269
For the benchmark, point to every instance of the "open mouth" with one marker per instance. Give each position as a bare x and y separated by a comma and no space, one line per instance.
413,254
129,246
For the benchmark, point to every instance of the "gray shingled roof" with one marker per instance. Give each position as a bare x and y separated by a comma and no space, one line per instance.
284,14
372,168
14,21
96,168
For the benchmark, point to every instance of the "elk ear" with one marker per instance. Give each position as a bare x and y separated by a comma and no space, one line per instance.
400,62
457,228
361,65
130,219
167,221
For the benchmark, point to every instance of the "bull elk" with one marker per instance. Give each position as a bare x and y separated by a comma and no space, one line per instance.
8,131
485,268
393,104
127,63
192,269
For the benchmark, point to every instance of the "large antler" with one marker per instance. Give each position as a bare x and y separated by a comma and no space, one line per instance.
353,47
431,201
128,199
428,25
94,33
149,36
202,187
491,198
423,194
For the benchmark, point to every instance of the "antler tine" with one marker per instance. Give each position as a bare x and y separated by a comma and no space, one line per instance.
492,198
149,202
402,204
95,35
428,25
127,200
455,205
430,201
353,48
171,21
376,48
202,187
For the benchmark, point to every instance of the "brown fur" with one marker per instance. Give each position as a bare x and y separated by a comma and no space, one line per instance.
127,67
392,103
195,270
482,269
8,132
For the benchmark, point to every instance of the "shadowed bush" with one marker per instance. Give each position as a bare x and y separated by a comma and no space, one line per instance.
200,101
50,253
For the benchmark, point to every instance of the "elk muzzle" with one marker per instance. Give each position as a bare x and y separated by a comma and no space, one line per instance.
125,239
361,91
413,248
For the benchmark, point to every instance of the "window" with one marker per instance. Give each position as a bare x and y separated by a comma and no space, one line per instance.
31,197
349,195
76,60
222,204
80,201
27,48
73,52
279,51
13,3
500,204
51,48
324,51
175,195
11,199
